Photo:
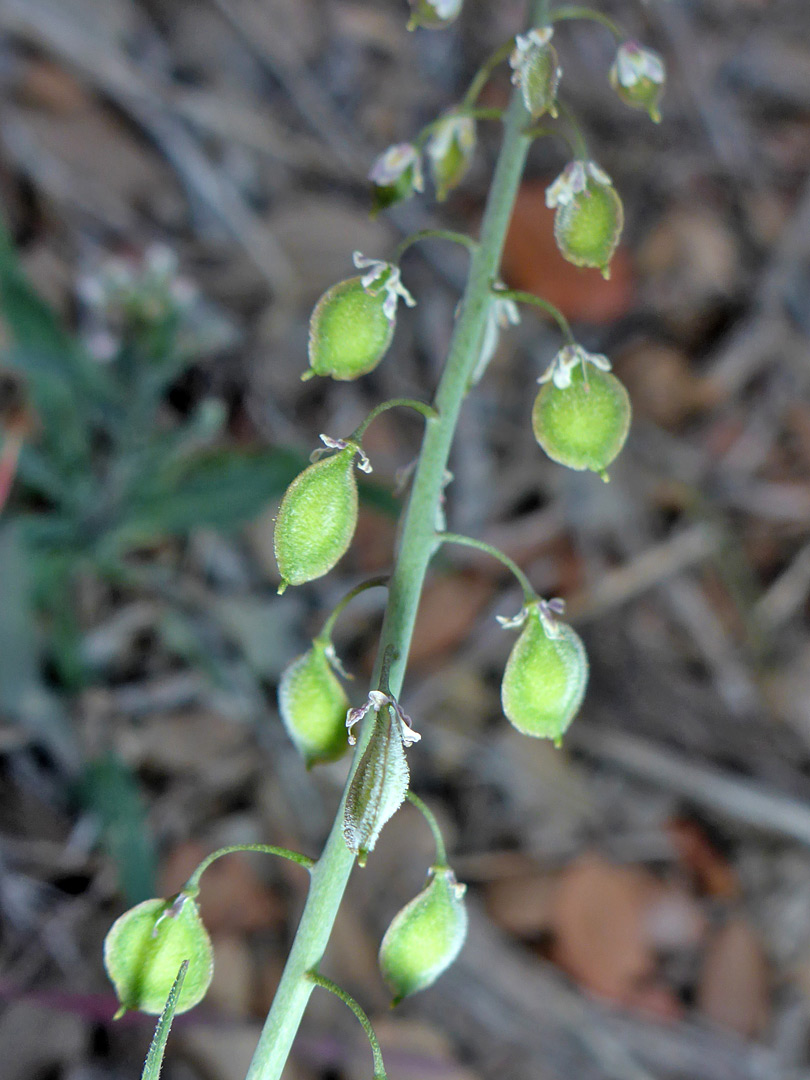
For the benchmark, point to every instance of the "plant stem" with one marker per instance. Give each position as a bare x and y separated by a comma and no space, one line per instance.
433,825
529,594
372,583
192,886
521,297
395,403
347,999
562,13
433,234
418,543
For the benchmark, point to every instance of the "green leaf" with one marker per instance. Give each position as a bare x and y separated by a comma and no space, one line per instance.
154,1059
110,790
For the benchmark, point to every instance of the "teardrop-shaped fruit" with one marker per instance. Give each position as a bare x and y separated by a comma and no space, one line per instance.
545,679
426,936
584,425
313,706
349,330
433,14
638,76
587,227
536,70
316,519
145,948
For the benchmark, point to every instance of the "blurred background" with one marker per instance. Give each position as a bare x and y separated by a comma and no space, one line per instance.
180,180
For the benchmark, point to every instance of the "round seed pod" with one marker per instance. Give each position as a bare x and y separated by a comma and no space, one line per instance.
316,519
589,215
584,425
145,948
433,14
349,330
545,678
426,936
313,706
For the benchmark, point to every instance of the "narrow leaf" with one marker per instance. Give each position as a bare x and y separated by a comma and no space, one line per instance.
154,1059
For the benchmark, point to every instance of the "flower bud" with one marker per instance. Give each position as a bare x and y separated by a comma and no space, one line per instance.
426,936
395,176
536,70
353,322
581,416
313,705
545,677
638,76
145,948
450,150
380,782
434,14
589,217
318,516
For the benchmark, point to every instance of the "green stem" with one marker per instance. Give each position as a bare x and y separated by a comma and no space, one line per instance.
537,301
372,583
481,545
542,131
573,12
347,999
417,543
482,75
430,818
433,234
192,886
578,143
395,403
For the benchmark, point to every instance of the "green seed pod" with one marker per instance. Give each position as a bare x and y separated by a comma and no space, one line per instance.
545,677
638,76
589,218
313,706
433,14
426,936
380,783
145,947
536,70
450,151
317,517
353,323
581,416
395,176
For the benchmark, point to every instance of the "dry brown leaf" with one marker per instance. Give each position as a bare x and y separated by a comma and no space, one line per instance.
233,900
532,262
598,916
733,989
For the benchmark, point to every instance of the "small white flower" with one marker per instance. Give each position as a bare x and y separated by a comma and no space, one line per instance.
634,63
387,278
502,314
561,367
376,701
524,45
364,465
395,161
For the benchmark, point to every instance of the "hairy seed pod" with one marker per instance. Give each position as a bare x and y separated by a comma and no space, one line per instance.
638,76
316,519
426,936
545,678
585,424
433,14
589,215
349,331
536,70
313,706
450,151
379,785
145,948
